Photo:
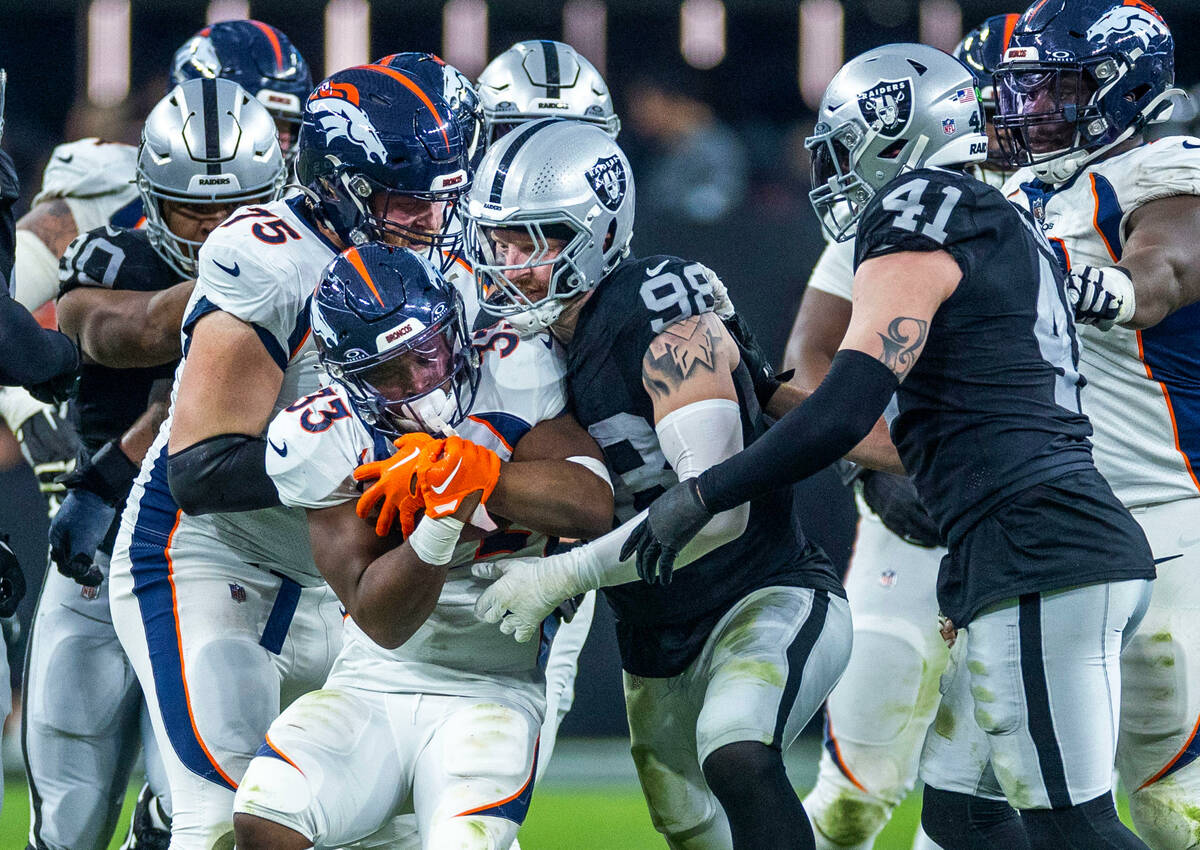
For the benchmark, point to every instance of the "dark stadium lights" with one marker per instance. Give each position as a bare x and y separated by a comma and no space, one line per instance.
940,24
585,27
347,34
822,33
227,10
465,35
702,33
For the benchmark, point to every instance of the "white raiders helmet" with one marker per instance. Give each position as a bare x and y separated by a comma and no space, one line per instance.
549,179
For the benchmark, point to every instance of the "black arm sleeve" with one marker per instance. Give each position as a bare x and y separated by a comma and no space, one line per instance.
9,192
222,474
30,354
832,421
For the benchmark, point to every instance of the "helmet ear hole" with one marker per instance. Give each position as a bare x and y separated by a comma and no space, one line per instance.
893,150
610,235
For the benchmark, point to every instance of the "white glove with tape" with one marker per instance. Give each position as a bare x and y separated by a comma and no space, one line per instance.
1101,296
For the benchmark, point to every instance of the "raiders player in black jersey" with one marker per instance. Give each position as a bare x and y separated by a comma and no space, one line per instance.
958,296
122,294
724,666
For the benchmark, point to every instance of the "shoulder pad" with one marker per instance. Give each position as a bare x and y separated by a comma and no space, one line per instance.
666,290
924,210
1160,169
834,271
87,168
114,258
313,447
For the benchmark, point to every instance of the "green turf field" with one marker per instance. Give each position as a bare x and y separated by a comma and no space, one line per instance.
559,819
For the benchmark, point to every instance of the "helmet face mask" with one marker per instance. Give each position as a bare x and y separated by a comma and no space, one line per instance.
1080,78
392,332
839,194
176,156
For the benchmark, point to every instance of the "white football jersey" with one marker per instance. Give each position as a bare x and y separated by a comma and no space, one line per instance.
261,266
834,271
1143,392
315,445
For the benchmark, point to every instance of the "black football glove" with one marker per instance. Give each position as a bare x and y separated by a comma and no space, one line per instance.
60,388
894,500
762,373
12,580
76,531
674,519
49,444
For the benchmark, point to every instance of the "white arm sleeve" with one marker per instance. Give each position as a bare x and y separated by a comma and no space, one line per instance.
693,438
35,273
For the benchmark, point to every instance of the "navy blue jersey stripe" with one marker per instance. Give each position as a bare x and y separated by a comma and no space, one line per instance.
1037,702
797,657
1108,215
282,612
1171,353
128,215
151,570
522,136
553,74
212,132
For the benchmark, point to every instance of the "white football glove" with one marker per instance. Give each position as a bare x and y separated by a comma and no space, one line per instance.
1101,296
722,303
526,592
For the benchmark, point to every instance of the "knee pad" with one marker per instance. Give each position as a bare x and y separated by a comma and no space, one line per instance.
871,711
471,833
244,708
1166,813
276,791
82,688
845,817
1154,687
678,806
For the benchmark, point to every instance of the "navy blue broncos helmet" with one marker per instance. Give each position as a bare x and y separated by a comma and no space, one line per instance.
982,50
1080,77
393,332
383,159
436,75
257,57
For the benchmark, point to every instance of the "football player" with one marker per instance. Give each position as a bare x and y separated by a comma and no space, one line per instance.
875,725
974,364
90,183
214,591
422,704
1080,84
83,706
723,668
543,79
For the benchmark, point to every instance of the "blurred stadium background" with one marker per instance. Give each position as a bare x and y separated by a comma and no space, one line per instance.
715,99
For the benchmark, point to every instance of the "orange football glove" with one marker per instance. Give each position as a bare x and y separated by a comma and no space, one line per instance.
397,484
461,468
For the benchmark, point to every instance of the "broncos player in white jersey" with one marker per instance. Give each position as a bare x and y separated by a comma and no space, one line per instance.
214,591
1080,83
875,725
423,708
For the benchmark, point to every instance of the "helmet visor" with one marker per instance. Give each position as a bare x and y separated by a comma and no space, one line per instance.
1044,112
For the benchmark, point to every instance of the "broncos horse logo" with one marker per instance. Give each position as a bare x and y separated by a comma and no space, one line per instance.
1139,21
337,118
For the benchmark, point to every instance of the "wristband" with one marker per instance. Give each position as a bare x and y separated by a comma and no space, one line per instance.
434,540
109,473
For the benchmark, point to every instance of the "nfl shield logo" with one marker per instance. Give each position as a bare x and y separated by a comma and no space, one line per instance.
888,104
887,578
237,593
90,593
949,127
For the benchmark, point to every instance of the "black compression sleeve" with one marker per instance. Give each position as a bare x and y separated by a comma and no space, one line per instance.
829,423
222,474
30,354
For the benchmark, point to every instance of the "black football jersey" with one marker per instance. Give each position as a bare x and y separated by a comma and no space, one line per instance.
661,629
110,400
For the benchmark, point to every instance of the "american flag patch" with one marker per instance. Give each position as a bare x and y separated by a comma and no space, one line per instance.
237,593
964,96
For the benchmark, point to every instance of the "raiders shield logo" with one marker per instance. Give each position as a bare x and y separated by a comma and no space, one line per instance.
890,104
607,179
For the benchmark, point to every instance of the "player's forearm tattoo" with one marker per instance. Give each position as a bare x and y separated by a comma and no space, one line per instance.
52,222
901,344
676,354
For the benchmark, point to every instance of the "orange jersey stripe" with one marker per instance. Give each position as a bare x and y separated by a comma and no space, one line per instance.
507,799
842,762
279,753
1170,412
179,640
1174,758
